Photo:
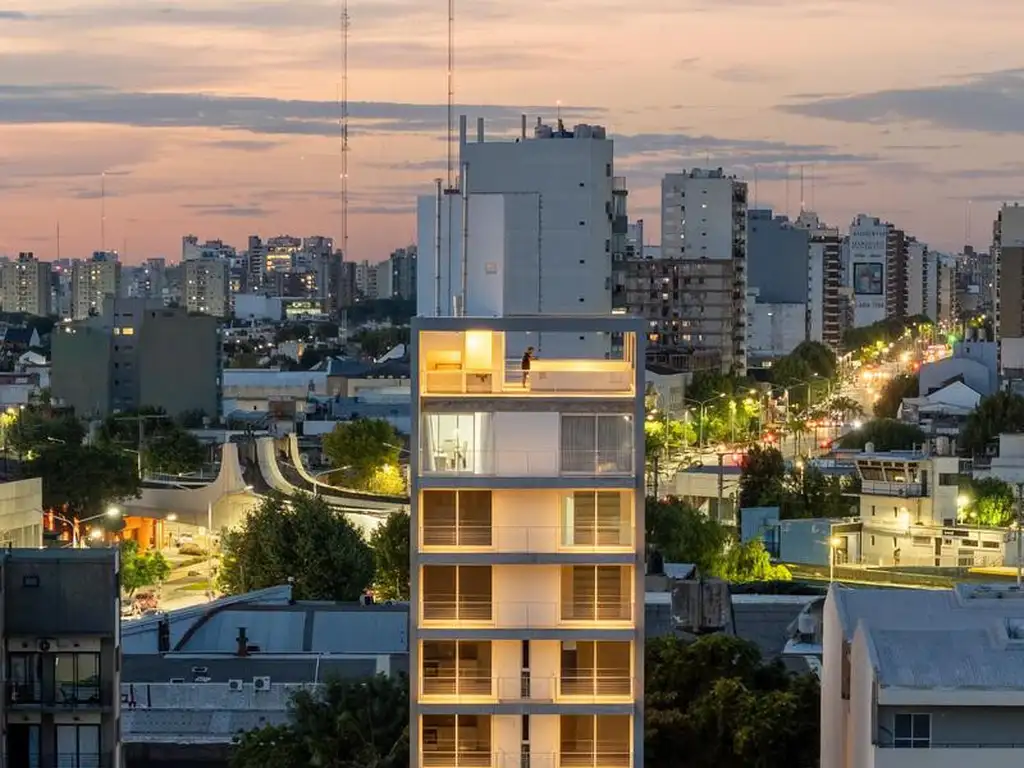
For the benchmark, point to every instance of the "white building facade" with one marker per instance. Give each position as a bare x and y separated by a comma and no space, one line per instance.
867,264
527,607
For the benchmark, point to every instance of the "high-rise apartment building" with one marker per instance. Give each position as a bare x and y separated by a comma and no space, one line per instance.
527,609
26,285
704,227
539,230
823,280
868,253
403,272
137,353
208,286
897,247
92,282
61,655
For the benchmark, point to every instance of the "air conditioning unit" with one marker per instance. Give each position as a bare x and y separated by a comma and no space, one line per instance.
235,685
261,683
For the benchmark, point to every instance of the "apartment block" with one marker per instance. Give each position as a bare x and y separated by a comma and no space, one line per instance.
916,678
25,285
867,255
208,286
138,353
824,273
92,282
704,220
897,247
527,609
60,640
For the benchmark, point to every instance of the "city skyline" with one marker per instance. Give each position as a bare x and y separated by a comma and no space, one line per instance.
221,117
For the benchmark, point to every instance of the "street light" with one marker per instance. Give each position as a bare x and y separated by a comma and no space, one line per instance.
111,511
833,544
209,538
703,407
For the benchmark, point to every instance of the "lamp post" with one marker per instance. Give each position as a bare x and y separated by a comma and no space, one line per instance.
75,538
703,404
833,545
209,539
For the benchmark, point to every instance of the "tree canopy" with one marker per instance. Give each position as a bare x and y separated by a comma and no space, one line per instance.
35,428
1001,412
375,342
341,724
885,435
83,480
763,472
297,539
989,502
893,393
167,447
141,569
716,704
360,449
390,543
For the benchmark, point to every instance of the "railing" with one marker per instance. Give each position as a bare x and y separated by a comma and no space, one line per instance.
69,695
891,744
538,688
38,759
448,612
511,381
585,754
445,756
884,488
526,538
539,463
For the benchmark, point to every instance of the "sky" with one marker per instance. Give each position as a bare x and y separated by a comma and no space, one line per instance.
221,117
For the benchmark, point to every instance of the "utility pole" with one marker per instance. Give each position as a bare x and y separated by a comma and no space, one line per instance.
140,419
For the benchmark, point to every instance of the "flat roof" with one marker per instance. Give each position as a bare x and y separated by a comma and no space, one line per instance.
570,323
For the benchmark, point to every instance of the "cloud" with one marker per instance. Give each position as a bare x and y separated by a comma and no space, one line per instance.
242,145
233,210
990,102
14,16
27,105
743,74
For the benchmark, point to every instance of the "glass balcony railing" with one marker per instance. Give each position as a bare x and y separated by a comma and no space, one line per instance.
447,612
440,756
599,689
614,756
575,378
528,539
536,463
600,755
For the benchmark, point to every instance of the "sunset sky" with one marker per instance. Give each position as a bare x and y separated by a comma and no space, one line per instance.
220,117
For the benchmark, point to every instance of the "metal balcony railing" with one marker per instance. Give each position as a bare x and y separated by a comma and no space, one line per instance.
885,488
611,689
39,759
446,611
69,695
525,538
539,463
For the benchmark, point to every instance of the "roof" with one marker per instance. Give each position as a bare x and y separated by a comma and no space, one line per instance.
18,336
977,659
361,369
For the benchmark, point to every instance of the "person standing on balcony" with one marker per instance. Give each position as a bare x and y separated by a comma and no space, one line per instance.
527,361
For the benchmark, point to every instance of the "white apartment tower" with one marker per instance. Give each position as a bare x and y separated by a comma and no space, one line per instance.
538,231
26,285
208,286
92,281
823,278
867,260
704,222
527,562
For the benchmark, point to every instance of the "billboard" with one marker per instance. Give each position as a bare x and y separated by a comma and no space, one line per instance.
867,279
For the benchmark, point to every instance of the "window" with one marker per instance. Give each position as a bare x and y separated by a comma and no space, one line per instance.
912,731
949,478
597,444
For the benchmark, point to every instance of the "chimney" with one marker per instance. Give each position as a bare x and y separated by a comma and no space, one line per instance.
243,643
479,130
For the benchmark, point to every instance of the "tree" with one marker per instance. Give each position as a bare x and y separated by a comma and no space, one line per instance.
995,414
167,447
683,534
375,342
359,448
761,480
891,397
750,561
885,435
719,704
36,428
141,569
390,543
809,492
341,724
297,539
990,502
83,480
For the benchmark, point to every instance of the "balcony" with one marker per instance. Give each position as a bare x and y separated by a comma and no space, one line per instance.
886,488
528,538
63,680
59,760
955,755
526,688
529,463
446,612
475,363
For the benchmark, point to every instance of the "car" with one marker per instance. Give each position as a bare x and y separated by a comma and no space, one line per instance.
185,538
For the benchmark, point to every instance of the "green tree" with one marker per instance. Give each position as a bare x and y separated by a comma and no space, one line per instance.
893,393
167,447
995,414
810,492
141,569
820,359
683,534
297,539
36,428
375,342
390,542
990,502
885,435
83,480
359,448
342,724
717,702
749,561
763,471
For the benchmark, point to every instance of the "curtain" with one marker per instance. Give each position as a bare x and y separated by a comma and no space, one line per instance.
578,441
428,458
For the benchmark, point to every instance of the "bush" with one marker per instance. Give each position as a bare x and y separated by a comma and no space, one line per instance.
193,550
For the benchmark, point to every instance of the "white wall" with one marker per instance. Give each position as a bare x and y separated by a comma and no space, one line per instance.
834,709
860,722
526,443
708,215
777,329
867,246
256,306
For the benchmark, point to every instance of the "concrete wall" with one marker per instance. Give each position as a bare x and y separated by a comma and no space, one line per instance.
777,255
21,507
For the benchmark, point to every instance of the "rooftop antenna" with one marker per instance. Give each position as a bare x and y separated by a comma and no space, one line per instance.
802,207
343,126
58,241
967,223
787,189
103,211
755,186
451,88
813,208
